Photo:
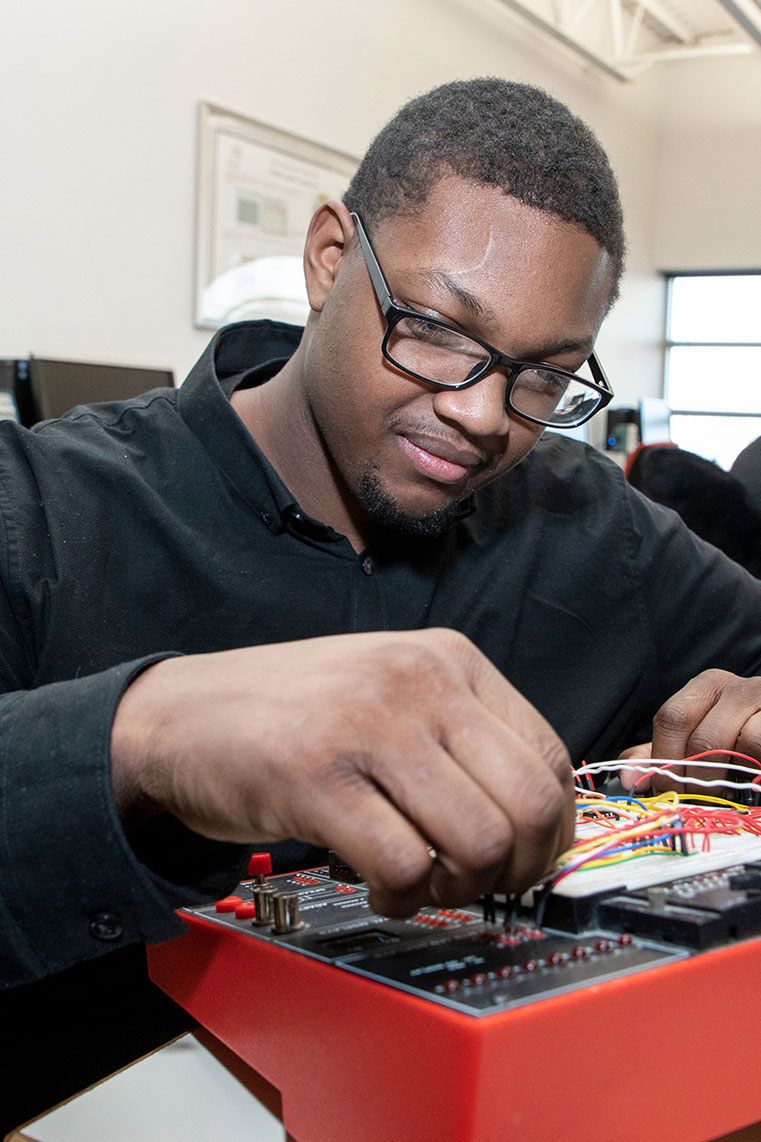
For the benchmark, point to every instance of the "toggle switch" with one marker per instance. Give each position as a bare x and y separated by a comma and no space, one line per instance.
263,898
286,913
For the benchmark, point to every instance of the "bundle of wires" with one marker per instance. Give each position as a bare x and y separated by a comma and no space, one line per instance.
611,830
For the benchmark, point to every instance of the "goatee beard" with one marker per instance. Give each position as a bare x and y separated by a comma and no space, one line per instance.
383,508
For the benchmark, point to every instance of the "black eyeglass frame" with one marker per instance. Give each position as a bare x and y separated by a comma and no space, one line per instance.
394,313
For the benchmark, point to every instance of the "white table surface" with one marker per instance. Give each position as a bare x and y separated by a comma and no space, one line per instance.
180,1092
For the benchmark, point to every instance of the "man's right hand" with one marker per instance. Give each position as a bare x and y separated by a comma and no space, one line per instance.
380,746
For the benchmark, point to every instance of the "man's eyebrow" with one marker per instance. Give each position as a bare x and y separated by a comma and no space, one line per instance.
467,300
571,345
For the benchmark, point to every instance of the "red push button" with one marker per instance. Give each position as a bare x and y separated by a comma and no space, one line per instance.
228,903
246,910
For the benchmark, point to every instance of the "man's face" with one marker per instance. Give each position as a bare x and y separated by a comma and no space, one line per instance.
523,280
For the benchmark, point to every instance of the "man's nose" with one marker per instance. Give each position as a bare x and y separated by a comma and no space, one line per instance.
480,410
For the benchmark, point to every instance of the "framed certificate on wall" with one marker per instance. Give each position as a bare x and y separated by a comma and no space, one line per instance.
258,188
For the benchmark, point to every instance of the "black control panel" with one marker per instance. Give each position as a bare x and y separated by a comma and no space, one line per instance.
448,956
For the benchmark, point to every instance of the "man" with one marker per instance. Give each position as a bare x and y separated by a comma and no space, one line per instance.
220,608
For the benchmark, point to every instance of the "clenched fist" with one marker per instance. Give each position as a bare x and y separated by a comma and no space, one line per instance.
382,746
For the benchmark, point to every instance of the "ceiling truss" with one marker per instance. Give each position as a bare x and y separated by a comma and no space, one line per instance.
624,37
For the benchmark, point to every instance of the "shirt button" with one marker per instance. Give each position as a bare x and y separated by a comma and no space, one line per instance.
368,566
266,518
106,926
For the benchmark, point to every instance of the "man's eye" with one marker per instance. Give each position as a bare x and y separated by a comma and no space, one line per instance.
539,381
432,334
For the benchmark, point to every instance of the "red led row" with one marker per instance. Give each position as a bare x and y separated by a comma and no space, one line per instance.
507,971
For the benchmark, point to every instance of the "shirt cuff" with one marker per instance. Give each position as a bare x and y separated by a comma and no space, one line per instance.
73,887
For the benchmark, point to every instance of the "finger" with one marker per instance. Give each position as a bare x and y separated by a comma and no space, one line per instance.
635,752
470,831
540,747
749,738
667,780
537,801
709,714
499,696
635,780
490,804
676,727
517,759
635,775
349,813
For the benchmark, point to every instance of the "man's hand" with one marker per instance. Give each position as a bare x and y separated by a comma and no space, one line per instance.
375,745
714,711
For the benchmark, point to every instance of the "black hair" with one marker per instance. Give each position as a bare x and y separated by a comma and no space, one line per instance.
496,133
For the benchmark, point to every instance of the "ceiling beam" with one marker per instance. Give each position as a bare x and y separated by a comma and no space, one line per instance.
621,60
746,14
667,21
645,59
568,41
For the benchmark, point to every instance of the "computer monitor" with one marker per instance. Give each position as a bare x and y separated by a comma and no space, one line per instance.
57,386
654,421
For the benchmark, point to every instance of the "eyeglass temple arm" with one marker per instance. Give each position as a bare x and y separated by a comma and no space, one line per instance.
598,373
380,285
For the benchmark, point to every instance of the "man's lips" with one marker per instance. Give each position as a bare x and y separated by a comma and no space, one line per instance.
439,459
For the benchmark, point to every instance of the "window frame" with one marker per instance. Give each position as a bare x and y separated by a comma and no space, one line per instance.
670,343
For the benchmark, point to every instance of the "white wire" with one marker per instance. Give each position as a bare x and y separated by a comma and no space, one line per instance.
644,766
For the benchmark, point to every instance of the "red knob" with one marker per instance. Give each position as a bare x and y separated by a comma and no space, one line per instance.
259,864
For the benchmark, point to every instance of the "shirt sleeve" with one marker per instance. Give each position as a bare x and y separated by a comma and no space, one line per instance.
701,609
73,886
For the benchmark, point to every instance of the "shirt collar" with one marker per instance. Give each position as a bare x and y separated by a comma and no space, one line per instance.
242,355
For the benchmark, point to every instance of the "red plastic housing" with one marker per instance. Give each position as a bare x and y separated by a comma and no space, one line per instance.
670,1054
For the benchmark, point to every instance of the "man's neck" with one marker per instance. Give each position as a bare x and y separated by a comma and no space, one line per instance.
278,417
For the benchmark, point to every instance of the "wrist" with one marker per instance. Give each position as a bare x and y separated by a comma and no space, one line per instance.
135,759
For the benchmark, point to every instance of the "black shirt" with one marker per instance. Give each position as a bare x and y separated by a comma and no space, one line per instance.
156,526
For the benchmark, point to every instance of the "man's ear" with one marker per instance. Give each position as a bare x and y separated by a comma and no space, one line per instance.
327,239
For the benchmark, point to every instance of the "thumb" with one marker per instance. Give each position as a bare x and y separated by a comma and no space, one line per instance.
630,777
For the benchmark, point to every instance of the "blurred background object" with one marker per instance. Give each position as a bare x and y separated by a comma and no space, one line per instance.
713,503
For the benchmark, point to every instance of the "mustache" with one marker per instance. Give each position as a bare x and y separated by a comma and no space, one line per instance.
453,446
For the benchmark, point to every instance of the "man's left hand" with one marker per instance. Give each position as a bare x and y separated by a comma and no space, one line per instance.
714,711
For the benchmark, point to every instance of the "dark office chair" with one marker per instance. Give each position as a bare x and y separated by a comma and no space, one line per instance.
712,502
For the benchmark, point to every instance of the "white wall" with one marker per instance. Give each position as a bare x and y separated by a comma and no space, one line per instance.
98,120
709,203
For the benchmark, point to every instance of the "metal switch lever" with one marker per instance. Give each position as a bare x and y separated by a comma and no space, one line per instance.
286,909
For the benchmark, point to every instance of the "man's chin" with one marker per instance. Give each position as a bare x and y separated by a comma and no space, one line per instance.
382,506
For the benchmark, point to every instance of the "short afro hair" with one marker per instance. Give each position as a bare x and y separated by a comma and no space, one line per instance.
497,133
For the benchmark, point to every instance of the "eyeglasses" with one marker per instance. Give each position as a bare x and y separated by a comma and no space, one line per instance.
437,353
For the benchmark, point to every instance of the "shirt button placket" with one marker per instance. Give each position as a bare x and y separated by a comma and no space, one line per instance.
106,926
369,612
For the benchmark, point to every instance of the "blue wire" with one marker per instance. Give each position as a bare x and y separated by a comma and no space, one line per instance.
630,801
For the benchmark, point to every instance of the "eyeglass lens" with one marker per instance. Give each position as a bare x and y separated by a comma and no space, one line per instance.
445,356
